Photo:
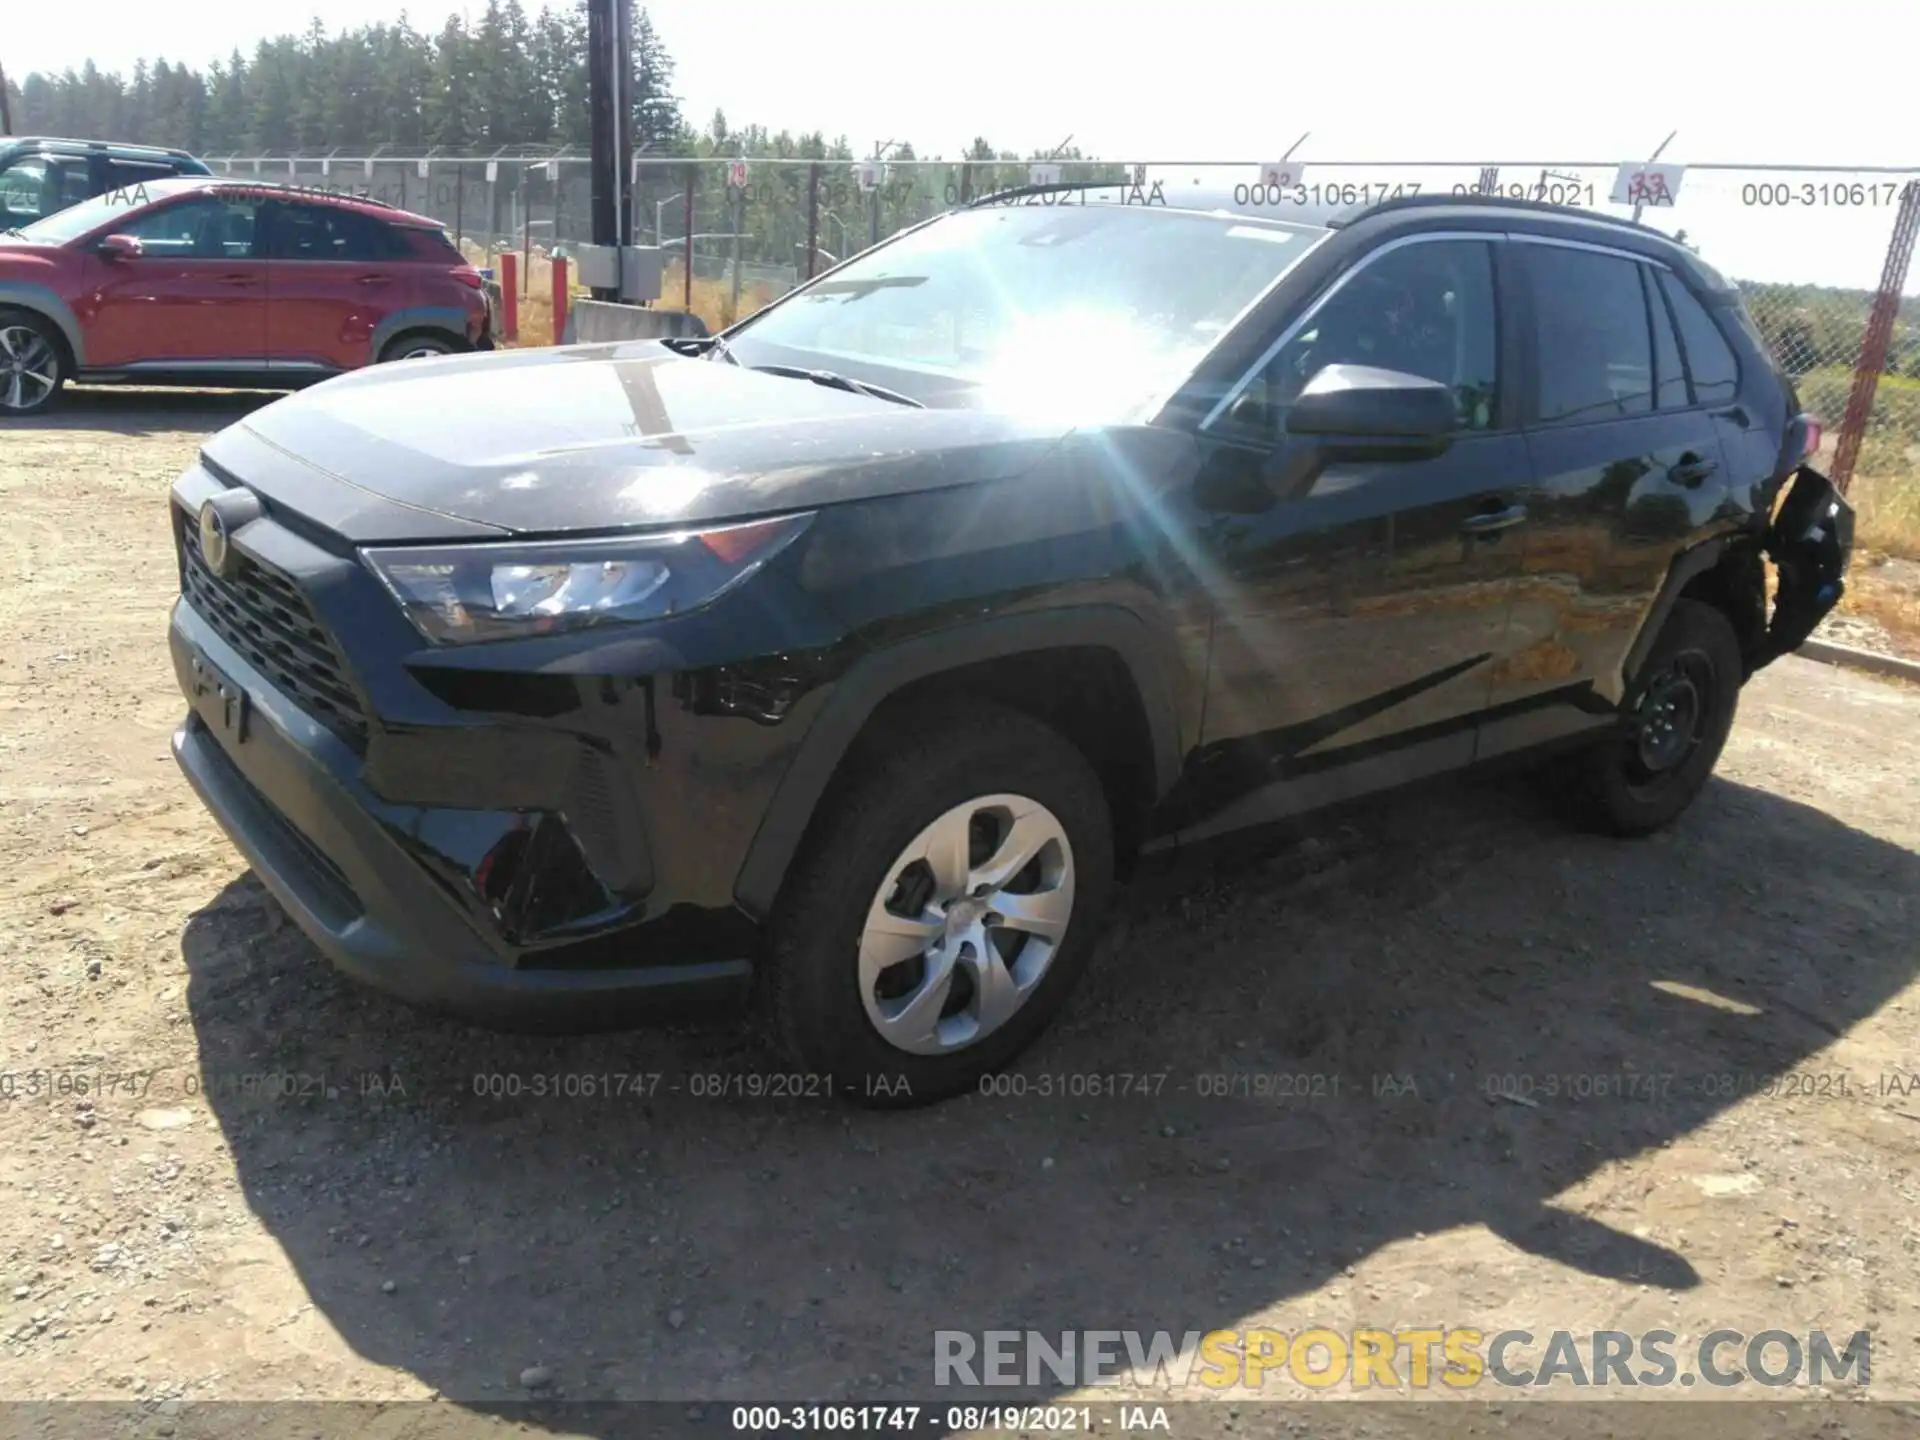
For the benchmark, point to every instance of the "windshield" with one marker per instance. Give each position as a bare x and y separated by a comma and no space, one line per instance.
1093,307
76,220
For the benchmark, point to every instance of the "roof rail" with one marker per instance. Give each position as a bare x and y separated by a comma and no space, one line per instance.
1491,202
98,145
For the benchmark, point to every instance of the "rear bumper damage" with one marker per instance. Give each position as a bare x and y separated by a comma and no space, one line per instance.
1810,543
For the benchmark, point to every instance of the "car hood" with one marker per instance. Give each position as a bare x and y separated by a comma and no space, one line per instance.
13,248
593,438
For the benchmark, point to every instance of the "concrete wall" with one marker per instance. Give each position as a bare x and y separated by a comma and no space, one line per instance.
591,322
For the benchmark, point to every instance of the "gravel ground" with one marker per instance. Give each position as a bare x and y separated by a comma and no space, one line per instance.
181,1233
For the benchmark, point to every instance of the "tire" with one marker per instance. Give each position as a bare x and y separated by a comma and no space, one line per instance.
828,990
33,367
1641,779
417,346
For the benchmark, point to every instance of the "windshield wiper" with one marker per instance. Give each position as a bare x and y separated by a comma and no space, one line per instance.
839,382
696,346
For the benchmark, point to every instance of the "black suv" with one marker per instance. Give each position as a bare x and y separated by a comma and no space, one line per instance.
853,653
40,175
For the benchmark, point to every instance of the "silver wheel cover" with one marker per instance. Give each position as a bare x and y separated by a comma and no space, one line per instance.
966,924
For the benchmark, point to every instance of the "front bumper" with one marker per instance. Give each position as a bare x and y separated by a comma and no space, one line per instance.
311,834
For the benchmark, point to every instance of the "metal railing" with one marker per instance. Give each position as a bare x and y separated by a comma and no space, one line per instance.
1816,249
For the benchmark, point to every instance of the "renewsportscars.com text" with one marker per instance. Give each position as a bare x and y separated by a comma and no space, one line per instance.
1456,1358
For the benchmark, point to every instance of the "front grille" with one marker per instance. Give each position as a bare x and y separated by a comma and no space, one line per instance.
263,615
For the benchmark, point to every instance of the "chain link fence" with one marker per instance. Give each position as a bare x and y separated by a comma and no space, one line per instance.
1809,247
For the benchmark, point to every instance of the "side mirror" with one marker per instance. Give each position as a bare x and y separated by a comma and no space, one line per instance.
1358,412
121,247
1362,403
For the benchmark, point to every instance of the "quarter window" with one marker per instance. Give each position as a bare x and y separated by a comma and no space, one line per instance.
1591,335
1669,374
1716,375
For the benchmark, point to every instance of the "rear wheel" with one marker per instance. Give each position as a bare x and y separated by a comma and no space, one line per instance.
32,367
417,347
941,914
1641,778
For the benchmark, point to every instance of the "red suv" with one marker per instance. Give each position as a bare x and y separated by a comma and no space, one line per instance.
203,281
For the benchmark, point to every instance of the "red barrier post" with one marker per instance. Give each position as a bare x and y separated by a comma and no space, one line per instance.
1874,344
509,296
560,295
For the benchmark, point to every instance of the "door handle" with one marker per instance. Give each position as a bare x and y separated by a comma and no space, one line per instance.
1494,521
236,280
375,279
1692,470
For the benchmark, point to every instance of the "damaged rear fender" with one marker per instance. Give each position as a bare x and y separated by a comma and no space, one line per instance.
1810,543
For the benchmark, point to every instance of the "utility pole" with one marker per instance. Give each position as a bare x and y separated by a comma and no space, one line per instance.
609,113
6,110
880,150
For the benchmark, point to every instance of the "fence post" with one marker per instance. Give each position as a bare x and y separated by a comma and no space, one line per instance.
1873,345
560,298
813,215
459,205
737,196
509,296
686,300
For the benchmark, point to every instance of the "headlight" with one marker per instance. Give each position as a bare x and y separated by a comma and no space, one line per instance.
458,594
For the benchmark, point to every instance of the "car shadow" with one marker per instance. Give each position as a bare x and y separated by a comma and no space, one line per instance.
1290,1053
115,410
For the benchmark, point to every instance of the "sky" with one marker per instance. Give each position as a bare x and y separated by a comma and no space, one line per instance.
1467,81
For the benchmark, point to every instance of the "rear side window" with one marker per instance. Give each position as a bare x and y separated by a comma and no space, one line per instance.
321,232
1594,344
125,174
1669,372
433,244
1716,375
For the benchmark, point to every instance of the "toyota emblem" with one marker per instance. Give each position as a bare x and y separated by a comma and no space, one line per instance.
213,538
220,517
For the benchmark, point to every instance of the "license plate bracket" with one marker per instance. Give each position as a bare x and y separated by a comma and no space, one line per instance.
220,701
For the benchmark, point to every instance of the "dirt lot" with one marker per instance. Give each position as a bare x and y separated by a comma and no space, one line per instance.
387,1233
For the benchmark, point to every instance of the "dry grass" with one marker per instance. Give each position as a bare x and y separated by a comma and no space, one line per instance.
1885,593
712,299
1887,511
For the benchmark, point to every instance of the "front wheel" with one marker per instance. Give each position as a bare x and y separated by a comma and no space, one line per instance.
1643,776
943,909
31,368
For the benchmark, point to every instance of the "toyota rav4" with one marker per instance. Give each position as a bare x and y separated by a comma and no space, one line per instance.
841,662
